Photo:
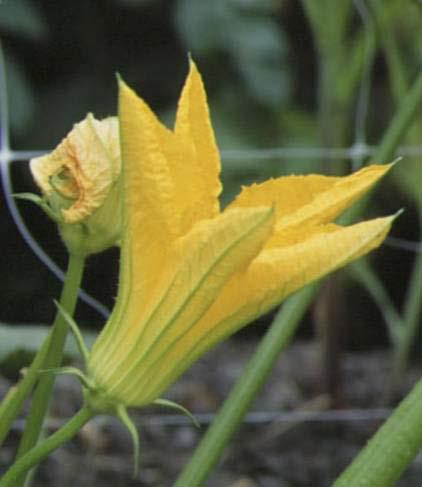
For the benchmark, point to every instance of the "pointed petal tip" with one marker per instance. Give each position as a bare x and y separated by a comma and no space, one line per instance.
384,225
396,160
390,219
192,64
397,214
389,165
124,89
121,83
193,74
383,168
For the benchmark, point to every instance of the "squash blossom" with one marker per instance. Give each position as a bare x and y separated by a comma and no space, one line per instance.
80,185
192,274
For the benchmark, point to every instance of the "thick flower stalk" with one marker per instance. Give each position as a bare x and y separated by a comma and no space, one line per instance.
192,274
79,181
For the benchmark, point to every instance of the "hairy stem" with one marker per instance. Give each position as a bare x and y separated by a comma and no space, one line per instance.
391,449
53,358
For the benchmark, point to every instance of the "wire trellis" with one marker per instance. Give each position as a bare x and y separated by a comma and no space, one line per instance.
252,418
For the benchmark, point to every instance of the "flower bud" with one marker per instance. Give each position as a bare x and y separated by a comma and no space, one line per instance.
80,182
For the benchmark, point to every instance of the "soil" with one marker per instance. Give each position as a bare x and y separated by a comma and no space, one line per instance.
290,438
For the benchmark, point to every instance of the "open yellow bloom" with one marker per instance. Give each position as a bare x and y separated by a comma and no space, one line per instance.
79,181
192,274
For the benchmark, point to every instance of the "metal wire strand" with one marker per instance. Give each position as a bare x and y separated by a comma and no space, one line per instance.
7,156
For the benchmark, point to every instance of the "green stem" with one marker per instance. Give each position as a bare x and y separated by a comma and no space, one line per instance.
385,19
36,455
13,402
411,322
407,111
366,276
234,409
53,357
391,449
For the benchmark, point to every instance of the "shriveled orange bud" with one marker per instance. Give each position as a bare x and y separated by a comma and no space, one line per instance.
80,184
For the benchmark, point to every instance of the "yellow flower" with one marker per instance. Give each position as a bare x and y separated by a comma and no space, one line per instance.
192,274
79,182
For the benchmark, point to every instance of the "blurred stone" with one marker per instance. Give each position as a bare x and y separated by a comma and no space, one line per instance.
244,482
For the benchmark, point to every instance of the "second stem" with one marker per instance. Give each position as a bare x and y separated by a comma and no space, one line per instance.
53,357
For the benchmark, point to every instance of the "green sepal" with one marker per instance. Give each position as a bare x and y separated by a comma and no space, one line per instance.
124,417
83,379
39,201
173,405
75,330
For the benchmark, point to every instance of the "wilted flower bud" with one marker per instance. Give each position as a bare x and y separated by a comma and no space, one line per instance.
80,184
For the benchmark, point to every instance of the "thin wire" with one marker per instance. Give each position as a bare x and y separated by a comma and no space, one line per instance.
313,152
355,152
402,244
262,417
252,418
4,113
7,156
351,152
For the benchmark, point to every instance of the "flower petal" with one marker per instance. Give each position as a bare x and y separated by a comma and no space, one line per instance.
272,276
170,182
150,221
151,216
198,173
148,184
206,258
310,199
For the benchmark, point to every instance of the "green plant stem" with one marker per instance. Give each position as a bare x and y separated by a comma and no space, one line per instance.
234,409
333,112
385,18
391,449
411,322
412,308
37,454
401,121
365,275
53,357
12,403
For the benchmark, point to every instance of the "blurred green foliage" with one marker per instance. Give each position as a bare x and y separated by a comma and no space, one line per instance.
248,33
262,70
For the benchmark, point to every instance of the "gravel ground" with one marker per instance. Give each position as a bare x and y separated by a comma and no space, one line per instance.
308,449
